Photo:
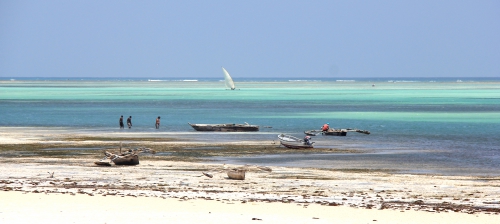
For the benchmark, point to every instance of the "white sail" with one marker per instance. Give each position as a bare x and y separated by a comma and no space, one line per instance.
228,80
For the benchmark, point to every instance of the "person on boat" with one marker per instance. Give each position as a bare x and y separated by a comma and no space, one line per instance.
121,122
157,122
307,140
325,127
129,121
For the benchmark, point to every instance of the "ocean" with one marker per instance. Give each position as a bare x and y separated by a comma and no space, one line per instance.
447,126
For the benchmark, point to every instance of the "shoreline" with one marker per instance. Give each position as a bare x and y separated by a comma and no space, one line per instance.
367,195
237,148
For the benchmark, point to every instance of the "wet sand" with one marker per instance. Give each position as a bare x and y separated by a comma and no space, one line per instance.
72,189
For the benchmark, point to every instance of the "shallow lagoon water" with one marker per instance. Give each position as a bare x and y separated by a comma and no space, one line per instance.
416,125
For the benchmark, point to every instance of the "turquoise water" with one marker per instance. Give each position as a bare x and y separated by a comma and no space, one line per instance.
430,126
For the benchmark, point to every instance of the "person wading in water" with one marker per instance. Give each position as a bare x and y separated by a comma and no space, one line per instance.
326,127
129,122
121,122
157,122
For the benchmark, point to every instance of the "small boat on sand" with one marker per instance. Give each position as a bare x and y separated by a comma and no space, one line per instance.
225,127
118,159
236,174
129,157
293,142
297,145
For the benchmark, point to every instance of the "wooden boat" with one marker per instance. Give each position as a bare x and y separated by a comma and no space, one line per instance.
236,174
131,159
225,127
122,159
293,142
297,145
335,132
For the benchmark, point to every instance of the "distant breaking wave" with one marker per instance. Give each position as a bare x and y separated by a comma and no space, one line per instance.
403,81
303,80
342,80
163,80
156,80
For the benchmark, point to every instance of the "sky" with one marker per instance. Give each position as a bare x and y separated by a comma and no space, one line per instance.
258,38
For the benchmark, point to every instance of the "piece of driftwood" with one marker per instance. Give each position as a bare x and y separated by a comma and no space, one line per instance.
208,175
236,174
264,168
103,162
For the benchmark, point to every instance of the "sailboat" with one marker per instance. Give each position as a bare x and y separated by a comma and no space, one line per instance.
228,80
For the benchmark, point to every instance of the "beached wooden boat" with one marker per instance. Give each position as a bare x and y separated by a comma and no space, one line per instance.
236,174
293,142
122,159
131,159
297,145
225,127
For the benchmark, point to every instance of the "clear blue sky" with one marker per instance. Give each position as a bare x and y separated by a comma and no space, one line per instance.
258,38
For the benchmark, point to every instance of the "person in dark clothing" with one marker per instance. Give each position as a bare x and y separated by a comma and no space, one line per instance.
307,140
121,122
129,122
157,122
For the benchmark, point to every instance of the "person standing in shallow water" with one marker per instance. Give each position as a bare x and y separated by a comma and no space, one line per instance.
129,121
157,122
121,122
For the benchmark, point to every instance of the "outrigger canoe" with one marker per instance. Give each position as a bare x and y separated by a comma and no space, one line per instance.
225,127
335,132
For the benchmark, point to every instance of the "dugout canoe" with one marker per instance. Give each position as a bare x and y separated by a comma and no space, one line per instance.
225,127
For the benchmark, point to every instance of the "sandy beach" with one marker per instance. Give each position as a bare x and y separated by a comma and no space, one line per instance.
60,208
60,187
